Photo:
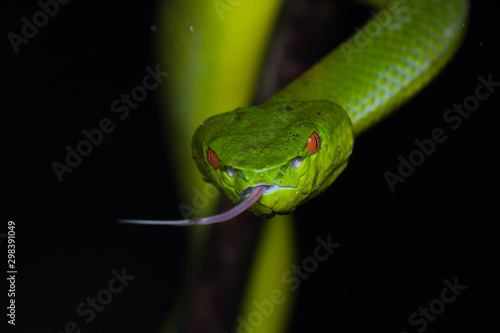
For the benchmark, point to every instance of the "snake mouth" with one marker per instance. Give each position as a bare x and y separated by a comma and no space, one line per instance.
270,189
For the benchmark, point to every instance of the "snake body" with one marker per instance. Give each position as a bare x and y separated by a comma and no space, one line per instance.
298,142
291,148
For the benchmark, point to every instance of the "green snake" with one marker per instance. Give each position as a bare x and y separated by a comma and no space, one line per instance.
274,157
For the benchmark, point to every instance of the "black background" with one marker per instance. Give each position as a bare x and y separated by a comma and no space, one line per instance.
397,248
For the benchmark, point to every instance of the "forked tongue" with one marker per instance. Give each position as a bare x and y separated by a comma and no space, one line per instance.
230,214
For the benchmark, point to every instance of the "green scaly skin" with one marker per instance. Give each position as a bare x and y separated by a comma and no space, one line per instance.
258,143
355,86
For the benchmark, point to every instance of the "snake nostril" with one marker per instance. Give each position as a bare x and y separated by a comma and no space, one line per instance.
230,172
296,162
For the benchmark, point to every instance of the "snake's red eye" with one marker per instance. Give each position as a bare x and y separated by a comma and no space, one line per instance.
212,158
313,143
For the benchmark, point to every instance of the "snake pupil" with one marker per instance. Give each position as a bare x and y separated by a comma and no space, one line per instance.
313,143
212,158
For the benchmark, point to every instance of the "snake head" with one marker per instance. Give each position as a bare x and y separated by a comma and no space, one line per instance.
295,148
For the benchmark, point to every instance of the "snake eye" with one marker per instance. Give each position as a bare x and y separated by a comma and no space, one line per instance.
230,172
313,143
212,158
